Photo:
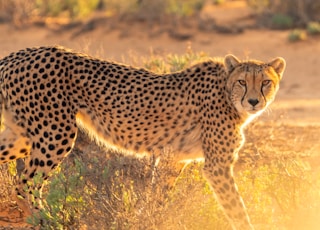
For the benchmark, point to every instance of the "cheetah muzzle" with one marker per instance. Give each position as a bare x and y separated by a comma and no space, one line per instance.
47,93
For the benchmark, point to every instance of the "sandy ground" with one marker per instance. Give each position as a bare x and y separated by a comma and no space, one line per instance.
298,101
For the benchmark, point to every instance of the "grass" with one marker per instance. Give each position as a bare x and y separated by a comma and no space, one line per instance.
172,62
98,189
118,192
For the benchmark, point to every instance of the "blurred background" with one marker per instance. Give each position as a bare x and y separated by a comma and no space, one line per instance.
280,185
112,29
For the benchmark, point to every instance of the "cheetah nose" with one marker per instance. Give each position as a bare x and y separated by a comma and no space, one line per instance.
253,102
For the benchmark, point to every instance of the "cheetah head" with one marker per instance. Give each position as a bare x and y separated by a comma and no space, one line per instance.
252,85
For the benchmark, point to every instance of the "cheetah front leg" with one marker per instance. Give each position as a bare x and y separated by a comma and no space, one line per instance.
219,173
221,143
225,189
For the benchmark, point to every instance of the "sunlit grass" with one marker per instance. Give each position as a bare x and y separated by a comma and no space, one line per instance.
119,190
173,62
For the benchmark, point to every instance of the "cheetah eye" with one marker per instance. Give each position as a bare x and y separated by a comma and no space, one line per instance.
242,82
266,82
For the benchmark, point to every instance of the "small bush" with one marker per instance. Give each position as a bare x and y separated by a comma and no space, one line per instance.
297,35
64,203
281,21
313,28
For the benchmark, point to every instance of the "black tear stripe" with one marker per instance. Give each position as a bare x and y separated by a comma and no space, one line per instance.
263,93
245,93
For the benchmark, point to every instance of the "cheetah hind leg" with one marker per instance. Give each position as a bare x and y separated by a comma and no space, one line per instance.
38,167
15,146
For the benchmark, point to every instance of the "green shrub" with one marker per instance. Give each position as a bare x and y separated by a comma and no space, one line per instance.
297,35
282,21
313,28
64,203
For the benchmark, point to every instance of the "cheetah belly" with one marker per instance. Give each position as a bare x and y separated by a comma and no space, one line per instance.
190,146
185,144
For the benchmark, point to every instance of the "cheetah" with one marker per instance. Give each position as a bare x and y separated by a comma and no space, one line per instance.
48,93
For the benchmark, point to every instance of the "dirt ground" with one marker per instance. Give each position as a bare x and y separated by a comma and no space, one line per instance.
297,103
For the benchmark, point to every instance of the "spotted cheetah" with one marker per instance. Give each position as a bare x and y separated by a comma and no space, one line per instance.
48,93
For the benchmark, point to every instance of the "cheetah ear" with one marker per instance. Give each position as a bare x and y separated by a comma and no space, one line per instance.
278,64
230,62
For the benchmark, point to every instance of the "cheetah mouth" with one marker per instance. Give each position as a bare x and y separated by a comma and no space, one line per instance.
253,110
